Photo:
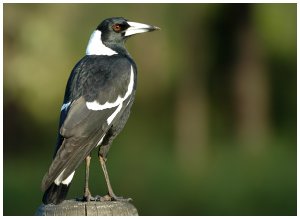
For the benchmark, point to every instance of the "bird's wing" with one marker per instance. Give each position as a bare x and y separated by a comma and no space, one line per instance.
84,125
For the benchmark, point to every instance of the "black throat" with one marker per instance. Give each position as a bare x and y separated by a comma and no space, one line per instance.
118,47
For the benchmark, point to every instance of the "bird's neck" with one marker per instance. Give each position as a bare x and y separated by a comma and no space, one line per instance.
97,47
117,47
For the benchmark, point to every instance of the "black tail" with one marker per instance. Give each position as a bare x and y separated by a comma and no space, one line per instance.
55,194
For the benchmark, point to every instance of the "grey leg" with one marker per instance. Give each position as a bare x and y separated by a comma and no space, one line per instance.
87,193
110,190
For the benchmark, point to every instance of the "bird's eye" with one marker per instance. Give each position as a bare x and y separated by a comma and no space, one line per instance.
117,28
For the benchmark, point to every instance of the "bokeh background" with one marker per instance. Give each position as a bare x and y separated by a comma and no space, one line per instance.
213,127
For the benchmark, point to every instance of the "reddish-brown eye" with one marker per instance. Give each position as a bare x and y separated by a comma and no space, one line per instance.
117,28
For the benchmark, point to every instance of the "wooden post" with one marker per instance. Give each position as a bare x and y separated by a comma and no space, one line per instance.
92,208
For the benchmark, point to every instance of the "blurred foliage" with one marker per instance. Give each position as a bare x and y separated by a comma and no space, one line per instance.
213,127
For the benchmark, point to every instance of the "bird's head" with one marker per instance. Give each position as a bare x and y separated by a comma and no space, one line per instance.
113,32
117,29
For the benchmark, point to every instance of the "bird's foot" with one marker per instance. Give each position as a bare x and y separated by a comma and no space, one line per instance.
97,198
105,198
87,197
113,197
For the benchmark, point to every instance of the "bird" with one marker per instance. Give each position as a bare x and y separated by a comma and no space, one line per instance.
98,97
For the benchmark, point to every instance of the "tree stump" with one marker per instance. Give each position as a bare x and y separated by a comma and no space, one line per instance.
92,208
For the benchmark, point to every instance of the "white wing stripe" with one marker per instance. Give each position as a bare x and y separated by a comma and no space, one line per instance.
96,106
112,116
100,141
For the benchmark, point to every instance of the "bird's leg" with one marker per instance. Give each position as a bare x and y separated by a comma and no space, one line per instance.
87,193
103,165
111,194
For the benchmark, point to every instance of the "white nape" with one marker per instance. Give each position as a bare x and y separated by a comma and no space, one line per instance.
67,181
65,106
96,47
96,106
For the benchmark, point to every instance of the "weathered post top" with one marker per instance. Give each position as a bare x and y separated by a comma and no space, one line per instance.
92,208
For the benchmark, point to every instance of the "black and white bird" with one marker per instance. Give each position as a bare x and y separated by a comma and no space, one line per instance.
98,97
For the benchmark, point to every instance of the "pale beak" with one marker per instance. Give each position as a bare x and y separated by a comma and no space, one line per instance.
135,28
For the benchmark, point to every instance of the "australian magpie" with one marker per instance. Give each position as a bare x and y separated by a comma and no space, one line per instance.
98,97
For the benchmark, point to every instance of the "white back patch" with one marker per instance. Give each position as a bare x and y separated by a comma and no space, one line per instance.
96,106
96,47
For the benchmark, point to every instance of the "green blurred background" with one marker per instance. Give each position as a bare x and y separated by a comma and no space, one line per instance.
213,127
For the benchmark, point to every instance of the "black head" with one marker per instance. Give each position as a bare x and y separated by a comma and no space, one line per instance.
110,35
117,29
